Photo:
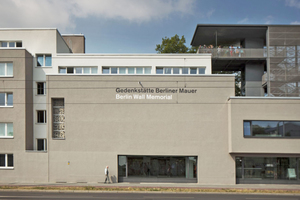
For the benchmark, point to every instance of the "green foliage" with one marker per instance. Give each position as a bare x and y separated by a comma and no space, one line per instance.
174,45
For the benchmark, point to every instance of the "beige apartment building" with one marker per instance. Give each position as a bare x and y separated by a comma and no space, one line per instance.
65,115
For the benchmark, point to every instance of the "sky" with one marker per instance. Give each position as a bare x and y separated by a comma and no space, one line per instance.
136,26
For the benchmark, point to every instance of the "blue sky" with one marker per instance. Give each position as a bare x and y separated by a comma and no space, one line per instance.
136,26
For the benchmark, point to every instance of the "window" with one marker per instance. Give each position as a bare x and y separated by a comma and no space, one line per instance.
6,99
180,70
78,70
41,116
41,88
41,144
271,128
126,70
6,161
44,60
11,44
6,69
6,130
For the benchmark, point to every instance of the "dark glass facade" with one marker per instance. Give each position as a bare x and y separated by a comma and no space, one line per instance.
267,169
167,168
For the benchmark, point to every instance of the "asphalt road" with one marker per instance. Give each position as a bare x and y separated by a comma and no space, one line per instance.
139,196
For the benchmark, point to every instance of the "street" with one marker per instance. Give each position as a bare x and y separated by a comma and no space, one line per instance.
137,196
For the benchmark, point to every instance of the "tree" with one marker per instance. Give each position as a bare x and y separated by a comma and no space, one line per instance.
174,45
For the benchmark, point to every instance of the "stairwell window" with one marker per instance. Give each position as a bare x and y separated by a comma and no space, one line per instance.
10,44
6,69
6,161
44,60
41,88
41,117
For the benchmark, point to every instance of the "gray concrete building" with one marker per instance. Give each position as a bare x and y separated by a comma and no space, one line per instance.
65,115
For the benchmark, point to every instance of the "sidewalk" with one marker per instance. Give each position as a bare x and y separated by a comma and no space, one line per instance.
161,185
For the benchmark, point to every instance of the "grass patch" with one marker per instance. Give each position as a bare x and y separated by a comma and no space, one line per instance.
152,189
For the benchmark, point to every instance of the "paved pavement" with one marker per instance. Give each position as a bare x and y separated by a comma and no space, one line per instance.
164,185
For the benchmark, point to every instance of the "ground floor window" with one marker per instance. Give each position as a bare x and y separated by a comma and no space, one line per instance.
267,169
6,161
166,167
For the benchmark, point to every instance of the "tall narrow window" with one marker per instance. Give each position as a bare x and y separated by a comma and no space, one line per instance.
41,144
41,88
41,116
58,112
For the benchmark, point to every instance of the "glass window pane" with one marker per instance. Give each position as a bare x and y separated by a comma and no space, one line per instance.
131,70
4,44
114,70
2,99
2,129
19,44
48,61
185,70
193,70
10,129
105,70
175,70
139,70
247,129
292,129
168,70
70,70
267,128
86,70
159,70
11,44
2,69
122,70
9,99
147,70
122,166
78,70
9,69
62,70
40,60
94,70
2,160
10,160
40,145
201,70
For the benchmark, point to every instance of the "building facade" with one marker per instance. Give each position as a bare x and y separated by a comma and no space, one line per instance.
65,115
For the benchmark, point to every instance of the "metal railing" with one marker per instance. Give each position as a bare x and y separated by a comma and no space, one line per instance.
235,53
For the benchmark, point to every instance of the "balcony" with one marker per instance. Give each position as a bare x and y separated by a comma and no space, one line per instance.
235,53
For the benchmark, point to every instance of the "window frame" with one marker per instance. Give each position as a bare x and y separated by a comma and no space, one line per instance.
44,143
283,136
15,44
6,161
5,130
5,100
136,70
6,69
44,113
43,89
74,70
180,70
44,60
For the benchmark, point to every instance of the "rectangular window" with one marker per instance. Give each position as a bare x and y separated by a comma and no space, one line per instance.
6,130
62,70
114,70
147,70
122,70
6,69
105,70
131,70
193,70
86,70
176,70
6,99
271,129
78,70
139,70
6,161
41,116
168,70
58,118
201,71
43,60
185,70
159,70
41,145
41,88
11,44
